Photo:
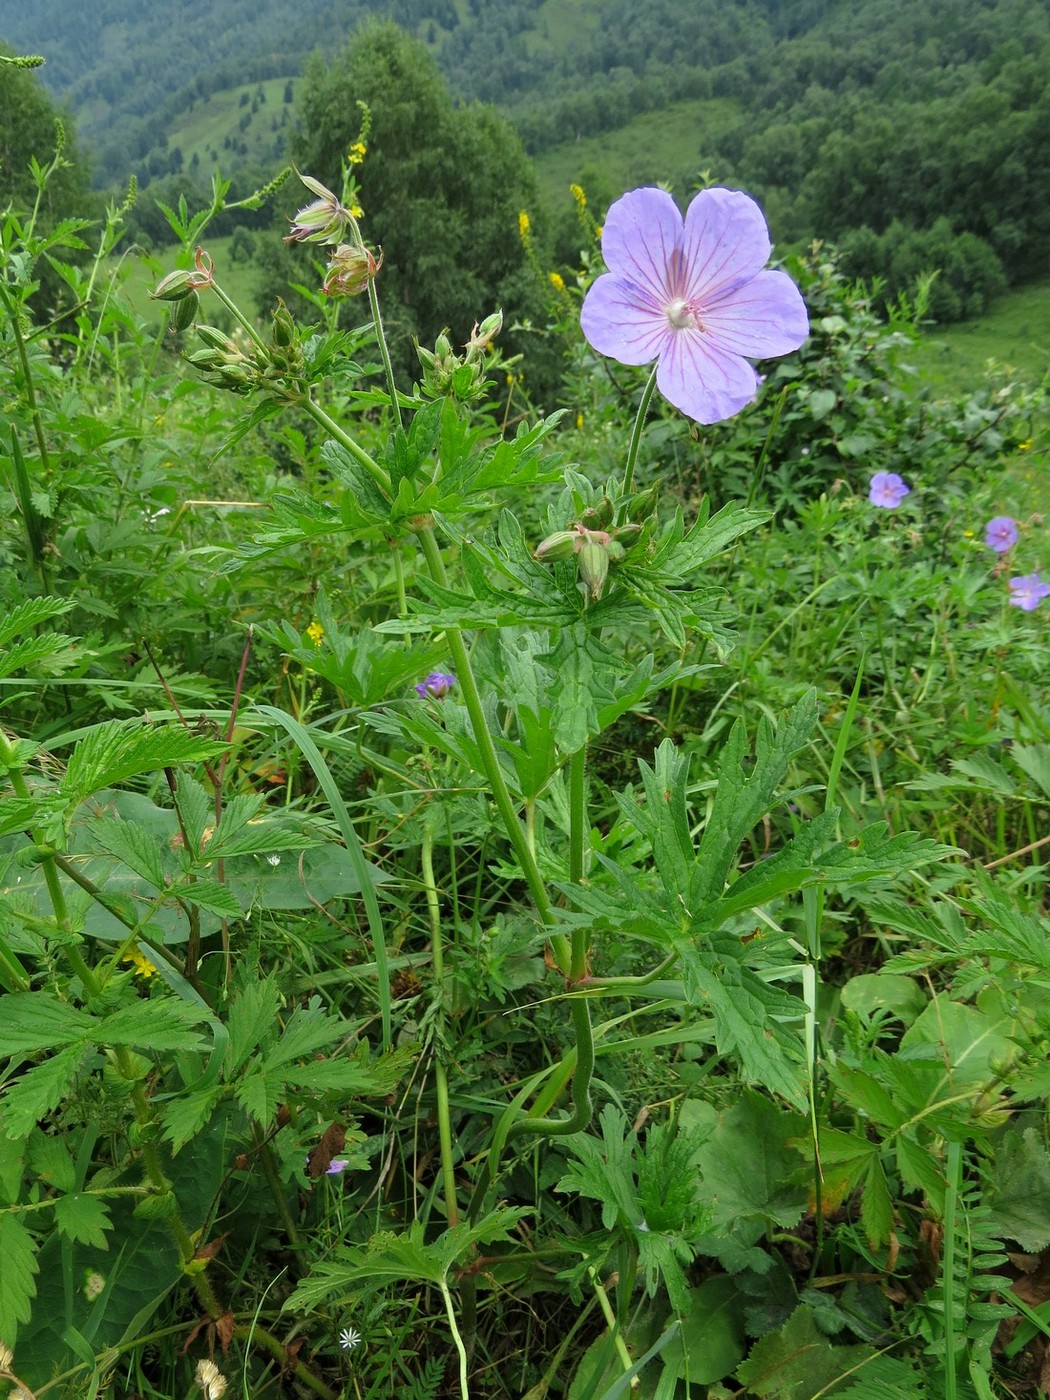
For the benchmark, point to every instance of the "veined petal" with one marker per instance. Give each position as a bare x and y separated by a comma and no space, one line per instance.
641,239
725,242
763,316
623,320
702,379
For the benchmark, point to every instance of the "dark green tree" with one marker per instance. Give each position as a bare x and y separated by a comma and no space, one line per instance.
441,184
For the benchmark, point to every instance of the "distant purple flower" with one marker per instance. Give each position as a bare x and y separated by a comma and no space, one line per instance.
693,294
887,490
338,1166
1001,533
1027,590
436,686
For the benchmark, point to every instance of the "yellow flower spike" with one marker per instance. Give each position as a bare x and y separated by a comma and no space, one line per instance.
524,225
357,152
557,281
578,195
315,632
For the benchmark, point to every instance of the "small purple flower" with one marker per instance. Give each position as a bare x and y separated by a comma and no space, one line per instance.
1001,533
1027,591
436,686
694,295
338,1166
887,490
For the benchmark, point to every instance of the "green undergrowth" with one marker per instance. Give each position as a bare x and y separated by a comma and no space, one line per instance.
491,911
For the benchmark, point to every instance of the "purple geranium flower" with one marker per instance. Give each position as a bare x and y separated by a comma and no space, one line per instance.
1027,590
693,294
436,686
1001,533
887,490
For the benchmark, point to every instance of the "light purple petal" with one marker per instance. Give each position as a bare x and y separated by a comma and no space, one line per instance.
623,321
764,316
702,380
640,239
725,242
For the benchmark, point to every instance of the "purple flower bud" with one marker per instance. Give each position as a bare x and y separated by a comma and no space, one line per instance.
337,1167
1001,533
436,686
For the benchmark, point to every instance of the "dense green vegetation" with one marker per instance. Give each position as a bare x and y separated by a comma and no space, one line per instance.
507,892
913,139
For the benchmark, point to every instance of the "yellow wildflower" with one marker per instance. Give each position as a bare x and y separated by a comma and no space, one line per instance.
1025,446
524,225
578,195
557,281
357,211
357,153
143,966
315,632
579,420
968,534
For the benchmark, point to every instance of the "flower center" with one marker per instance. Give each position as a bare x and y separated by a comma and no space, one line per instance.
683,315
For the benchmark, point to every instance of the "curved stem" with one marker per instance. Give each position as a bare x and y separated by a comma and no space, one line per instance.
636,434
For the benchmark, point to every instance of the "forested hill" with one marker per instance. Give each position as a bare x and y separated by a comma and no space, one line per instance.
912,134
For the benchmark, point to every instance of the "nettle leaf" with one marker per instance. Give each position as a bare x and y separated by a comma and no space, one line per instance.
210,895
56,648
49,1158
251,1020
18,1268
163,1023
745,793
28,615
117,750
129,842
41,1021
83,1217
37,1091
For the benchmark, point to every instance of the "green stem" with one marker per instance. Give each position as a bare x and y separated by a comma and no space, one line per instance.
636,434
490,761
232,307
448,1175
27,375
344,439
254,1334
384,350
464,1390
577,849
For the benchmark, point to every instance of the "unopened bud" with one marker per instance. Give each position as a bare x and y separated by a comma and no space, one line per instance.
218,340
174,287
283,333
594,567
184,312
644,504
482,336
561,545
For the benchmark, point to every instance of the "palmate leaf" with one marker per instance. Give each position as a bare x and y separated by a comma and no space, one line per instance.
799,1360
1018,1191
18,1269
756,1022
746,792
390,1258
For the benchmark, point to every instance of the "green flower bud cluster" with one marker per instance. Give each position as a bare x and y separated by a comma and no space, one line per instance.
276,366
460,377
605,534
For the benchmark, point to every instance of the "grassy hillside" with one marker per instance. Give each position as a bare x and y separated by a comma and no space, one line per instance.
1015,333
240,126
